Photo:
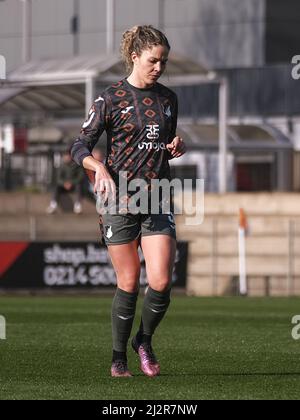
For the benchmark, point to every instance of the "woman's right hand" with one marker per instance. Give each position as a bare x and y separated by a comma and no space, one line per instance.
104,184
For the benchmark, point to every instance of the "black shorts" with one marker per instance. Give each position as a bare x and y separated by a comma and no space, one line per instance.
117,229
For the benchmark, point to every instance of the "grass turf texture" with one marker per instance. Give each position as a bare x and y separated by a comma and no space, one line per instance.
209,348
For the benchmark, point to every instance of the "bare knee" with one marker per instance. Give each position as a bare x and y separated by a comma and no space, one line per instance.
129,281
126,262
160,285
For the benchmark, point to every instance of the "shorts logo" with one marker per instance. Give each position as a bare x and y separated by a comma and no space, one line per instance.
109,232
152,131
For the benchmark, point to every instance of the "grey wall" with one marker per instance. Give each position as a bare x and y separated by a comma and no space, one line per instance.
219,33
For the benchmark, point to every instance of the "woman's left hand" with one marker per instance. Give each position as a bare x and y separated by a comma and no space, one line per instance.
177,147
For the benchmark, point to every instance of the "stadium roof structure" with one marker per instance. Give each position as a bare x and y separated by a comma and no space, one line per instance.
68,85
41,99
255,137
107,67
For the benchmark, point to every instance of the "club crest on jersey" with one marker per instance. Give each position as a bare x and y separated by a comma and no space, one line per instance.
167,111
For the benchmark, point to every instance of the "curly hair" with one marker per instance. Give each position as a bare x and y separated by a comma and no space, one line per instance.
139,38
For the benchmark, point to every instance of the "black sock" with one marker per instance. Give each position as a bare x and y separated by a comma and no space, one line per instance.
119,355
141,337
123,311
154,309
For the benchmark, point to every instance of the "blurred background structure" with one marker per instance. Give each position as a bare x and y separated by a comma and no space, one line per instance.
239,112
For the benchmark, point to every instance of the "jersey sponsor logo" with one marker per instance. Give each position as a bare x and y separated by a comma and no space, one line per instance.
91,116
127,109
152,134
152,146
152,131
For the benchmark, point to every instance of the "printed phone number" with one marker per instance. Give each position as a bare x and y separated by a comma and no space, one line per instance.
66,275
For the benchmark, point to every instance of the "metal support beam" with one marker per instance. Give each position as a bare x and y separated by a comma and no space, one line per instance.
223,115
161,15
26,30
89,93
75,26
110,26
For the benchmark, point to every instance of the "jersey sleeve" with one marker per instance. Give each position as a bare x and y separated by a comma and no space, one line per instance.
96,122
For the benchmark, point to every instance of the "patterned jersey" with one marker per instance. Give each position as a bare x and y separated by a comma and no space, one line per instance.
139,123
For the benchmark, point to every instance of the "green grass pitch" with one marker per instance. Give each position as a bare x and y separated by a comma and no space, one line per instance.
209,348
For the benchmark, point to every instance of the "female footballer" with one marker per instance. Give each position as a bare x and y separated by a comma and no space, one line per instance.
140,118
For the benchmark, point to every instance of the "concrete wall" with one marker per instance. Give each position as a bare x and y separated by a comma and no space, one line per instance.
272,245
219,33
